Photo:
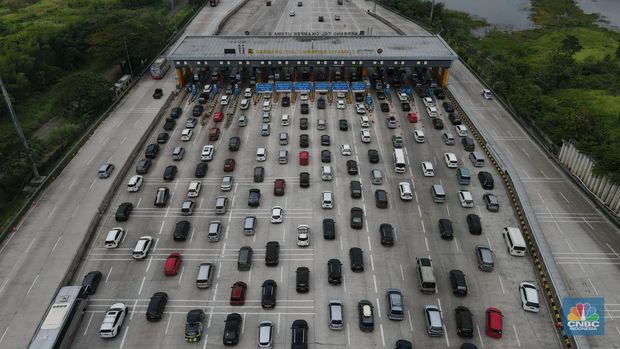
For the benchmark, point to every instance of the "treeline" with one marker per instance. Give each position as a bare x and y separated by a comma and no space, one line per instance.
563,77
58,60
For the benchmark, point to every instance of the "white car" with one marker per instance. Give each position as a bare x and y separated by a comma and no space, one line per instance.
224,100
345,149
186,134
340,104
304,96
419,136
427,169
303,235
208,88
248,92
405,191
402,96
428,102
365,121
466,199
365,135
360,108
433,112
488,95
277,214
291,13
261,154
134,184
340,95
461,130
451,160
113,320
207,153
529,297
227,183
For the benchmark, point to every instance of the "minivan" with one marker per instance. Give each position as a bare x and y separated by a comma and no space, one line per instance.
439,195
327,199
283,138
214,231
205,275
187,207
105,170
221,203
514,241
156,306
336,316
463,176
259,174
194,189
484,255
376,177
244,262
426,277
283,157
162,196
432,317
178,153
427,169
396,306
249,225
477,159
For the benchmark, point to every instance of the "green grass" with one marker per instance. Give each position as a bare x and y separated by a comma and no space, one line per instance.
598,102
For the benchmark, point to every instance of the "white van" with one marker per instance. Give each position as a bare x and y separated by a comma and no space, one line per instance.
451,160
439,195
427,169
267,106
461,130
514,241
418,135
207,153
186,134
114,237
224,100
327,199
432,112
248,92
326,173
244,104
477,159
142,247
285,120
205,275
134,184
194,189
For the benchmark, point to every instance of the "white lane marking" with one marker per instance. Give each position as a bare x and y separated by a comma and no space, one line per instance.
402,274
457,245
141,285
31,286
348,335
281,274
243,324
544,175
133,309
563,197
249,276
75,211
91,184
29,246
541,198
56,244
516,335
204,346
592,284
4,334
374,281
423,228
87,325
123,140
479,336
378,307
200,205
161,228
448,210
168,324
148,266
372,263
426,242
341,245
417,200
419,209
344,283
410,322
278,328
501,284
125,335
181,277
191,236
446,334
382,337
526,154
73,183
109,273
4,285
155,246
369,244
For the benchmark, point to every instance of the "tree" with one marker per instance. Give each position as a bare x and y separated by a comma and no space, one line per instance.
81,95
570,45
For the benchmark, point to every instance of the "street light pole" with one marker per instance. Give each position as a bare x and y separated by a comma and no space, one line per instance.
128,59
19,130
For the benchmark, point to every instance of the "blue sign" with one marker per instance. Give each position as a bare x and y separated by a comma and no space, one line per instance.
283,86
321,86
340,86
264,88
583,316
303,86
358,86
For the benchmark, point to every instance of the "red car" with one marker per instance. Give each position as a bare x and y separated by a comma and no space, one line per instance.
412,117
218,116
278,187
237,293
229,165
214,134
173,263
303,158
494,322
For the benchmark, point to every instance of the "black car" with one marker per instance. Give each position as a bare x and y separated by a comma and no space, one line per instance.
203,97
232,329
176,112
464,322
352,167
143,166
123,211
302,279
386,231
326,156
486,180
357,218
91,282
447,106
299,333
385,107
268,298
403,344
304,179
473,223
329,229
169,124
286,101
304,141
201,169
170,172
359,97
272,253
234,143
356,189
151,151
198,109
193,325
439,94
320,103
325,140
405,106
373,156
163,138
303,123
158,93
181,231
380,95
445,229
305,109
357,259
334,271
454,119
156,306
366,316
458,282
343,125
438,124
254,197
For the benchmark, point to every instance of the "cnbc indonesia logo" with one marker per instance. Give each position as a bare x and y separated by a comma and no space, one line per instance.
583,318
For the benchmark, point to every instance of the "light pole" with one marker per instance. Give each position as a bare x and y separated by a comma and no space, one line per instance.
432,8
19,130
127,52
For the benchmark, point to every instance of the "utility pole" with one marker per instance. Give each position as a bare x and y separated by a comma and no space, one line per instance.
128,59
19,130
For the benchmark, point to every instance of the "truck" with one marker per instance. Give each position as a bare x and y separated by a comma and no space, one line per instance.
213,3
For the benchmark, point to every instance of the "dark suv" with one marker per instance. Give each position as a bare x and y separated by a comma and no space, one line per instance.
366,316
156,306
268,298
299,333
181,230
373,156
386,231
464,322
356,189
458,282
232,329
486,180
445,229
329,229
334,271
151,151
357,259
123,211
193,325
302,279
473,223
272,254
357,218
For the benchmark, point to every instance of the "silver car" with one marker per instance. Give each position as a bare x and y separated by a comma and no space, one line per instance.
227,183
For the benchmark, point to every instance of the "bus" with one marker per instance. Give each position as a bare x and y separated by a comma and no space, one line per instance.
62,319
159,68
399,161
